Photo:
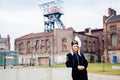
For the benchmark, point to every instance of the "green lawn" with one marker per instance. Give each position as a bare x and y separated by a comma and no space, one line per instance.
103,68
92,67
47,66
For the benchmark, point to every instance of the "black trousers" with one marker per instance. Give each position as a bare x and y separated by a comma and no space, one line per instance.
79,75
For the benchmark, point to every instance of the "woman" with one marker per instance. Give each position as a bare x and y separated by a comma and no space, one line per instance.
77,61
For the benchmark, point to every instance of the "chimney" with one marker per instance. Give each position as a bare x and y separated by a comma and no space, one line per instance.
88,31
111,12
114,13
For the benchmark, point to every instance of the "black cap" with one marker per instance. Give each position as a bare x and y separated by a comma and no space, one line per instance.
74,42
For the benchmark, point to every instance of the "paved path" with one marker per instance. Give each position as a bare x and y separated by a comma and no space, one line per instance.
94,76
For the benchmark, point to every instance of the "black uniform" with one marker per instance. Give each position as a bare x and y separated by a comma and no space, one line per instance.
73,60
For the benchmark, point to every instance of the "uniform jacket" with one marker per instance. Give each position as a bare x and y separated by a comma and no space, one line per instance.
73,60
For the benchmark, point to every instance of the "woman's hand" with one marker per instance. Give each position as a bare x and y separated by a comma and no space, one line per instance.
80,67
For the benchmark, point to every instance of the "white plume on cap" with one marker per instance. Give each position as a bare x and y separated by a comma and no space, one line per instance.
79,40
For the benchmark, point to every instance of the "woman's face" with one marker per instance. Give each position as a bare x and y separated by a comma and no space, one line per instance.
75,48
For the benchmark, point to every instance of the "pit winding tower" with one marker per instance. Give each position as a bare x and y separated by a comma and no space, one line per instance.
52,12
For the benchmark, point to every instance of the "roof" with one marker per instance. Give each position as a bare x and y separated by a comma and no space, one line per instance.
114,18
35,35
94,30
90,35
38,35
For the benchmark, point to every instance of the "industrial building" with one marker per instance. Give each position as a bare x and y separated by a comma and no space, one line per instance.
51,46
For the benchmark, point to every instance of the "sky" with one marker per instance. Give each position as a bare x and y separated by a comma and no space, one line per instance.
21,17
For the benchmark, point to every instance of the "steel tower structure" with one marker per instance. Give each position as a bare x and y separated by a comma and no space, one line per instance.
52,12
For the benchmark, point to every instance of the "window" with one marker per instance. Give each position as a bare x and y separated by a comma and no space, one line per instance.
64,46
85,45
37,45
42,44
114,40
113,27
89,46
94,46
28,47
47,45
21,47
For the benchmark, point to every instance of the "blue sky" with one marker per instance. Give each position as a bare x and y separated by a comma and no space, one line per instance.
21,17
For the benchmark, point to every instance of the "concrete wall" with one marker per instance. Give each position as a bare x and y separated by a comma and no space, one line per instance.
48,74
36,74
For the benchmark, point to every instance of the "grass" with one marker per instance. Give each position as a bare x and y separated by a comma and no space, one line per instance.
103,68
47,66
92,68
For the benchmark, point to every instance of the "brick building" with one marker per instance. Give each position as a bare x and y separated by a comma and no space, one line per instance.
52,47
92,43
41,48
5,43
111,25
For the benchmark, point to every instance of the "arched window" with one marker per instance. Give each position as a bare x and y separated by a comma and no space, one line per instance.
21,48
114,40
64,45
28,47
85,45
93,47
47,46
37,45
